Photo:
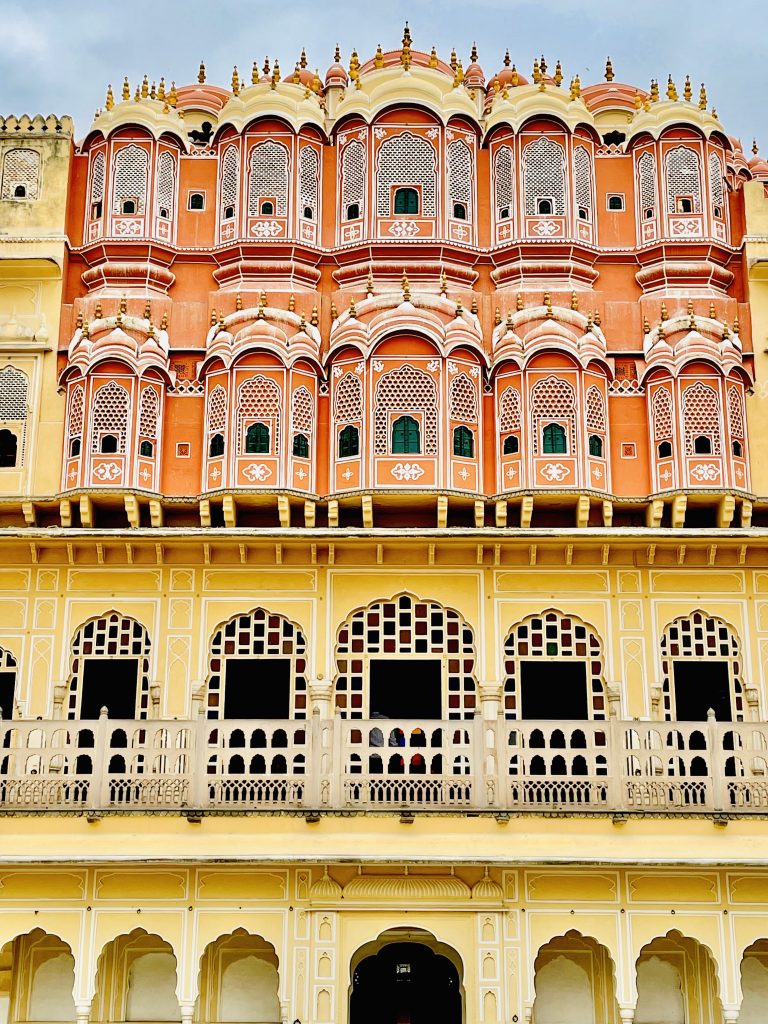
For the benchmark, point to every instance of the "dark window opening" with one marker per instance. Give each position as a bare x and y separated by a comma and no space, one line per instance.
20,192
196,201
406,436
301,446
459,211
7,694
684,204
229,212
699,686
504,213
406,201
664,450
511,445
257,439
648,213
583,213
9,448
216,447
267,208
464,443
405,983
108,444
146,449
75,446
165,213
554,690
554,440
718,211
596,446
702,445
349,442
128,206
738,449
309,213
614,138
257,688
544,207
406,688
111,683
97,209
615,202
353,211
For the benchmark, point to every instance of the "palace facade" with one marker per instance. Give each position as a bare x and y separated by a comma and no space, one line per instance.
384,552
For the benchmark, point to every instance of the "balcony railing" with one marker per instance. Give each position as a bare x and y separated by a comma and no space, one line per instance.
497,766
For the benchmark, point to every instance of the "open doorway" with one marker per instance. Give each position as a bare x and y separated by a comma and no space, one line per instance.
406,983
554,690
110,683
406,688
257,688
699,686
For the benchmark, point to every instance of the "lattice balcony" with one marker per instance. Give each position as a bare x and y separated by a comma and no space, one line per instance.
456,766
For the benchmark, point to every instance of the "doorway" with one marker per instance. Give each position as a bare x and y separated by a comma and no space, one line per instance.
110,683
406,983
554,691
406,688
257,688
699,686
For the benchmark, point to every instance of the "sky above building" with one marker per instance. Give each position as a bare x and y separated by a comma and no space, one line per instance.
58,56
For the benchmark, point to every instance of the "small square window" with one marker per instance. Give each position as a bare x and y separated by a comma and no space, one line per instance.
196,201
615,202
183,450
718,212
504,213
684,204
128,206
164,213
544,207
97,209
628,450
229,212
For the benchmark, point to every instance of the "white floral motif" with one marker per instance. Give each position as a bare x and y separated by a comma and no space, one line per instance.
380,133
511,472
301,473
337,371
475,371
705,471
666,476
555,471
597,473
449,136
360,369
215,473
404,229
546,227
452,367
266,229
407,471
361,135
347,474
433,133
257,471
460,232
378,365
433,365
107,472
342,138
353,234
463,472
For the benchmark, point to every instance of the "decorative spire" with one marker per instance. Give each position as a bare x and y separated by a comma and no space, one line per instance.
514,78
254,73
302,323
590,323
334,311
755,147
736,325
574,301
147,310
369,283
459,76
79,320
726,330
473,54
137,95
173,97
315,318
558,76
654,90
276,73
144,87
405,56
453,61
443,282
689,307
266,67
687,90
161,89
597,318
317,83
575,87
123,304
433,58
497,317
378,60
703,97
291,303
519,303
507,58
646,326
536,72
473,307
238,302
548,303
459,308
235,81
126,89
97,311
201,74
406,288
664,313
303,58
609,76
543,65
214,318
164,322
638,101
660,332
153,91
85,331
337,54
510,325
671,89
712,312
352,309
109,103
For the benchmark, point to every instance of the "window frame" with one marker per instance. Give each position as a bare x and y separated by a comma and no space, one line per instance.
191,193
463,437
410,443
344,439
548,432
621,196
407,190
262,435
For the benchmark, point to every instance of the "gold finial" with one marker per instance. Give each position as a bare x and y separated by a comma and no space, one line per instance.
164,322
597,318
646,326
303,58
214,317
110,100
519,303
654,90
254,73
687,90
660,332
238,302
123,304
266,67
574,301
334,311
137,95
671,89
755,147
262,304
119,318
638,101
433,58
504,93
497,317
664,313
337,54
459,76
509,320
315,318
97,311
407,35
453,61
144,87
79,320
263,298
369,283
558,76
514,78
473,307
590,323
609,76
317,83
726,330
736,325
291,303
161,89
235,81
86,331
275,74
378,60
575,87
406,288
473,55
507,58
173,96
691,320
712,312
714,114
536,72
405,56
153,91
147,310
302,323
548,303
703,97
352,309
201,73
459,308
443,282
689,307
126,89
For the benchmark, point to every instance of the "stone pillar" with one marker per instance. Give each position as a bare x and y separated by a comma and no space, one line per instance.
187,1012
627,1014
82,1012
59,700
656,703
730,1015
490,694
321,698
613,693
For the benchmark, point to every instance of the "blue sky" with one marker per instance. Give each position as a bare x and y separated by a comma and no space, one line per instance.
58,55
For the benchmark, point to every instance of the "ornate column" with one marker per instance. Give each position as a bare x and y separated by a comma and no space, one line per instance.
321,697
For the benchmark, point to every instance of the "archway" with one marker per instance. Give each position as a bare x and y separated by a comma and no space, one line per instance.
136,980
110,668
407,980
677,983
574,982
702,670
37,979
754,983
239,980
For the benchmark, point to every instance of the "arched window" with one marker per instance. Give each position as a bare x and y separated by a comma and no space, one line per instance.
301,446
716,185
108,444
702,670
257,439
463,399
544,178
405,388
146,449
268,179
149,415
582,180
259,400
554,670
75,420
702,445
735,413
464,443
504,182
661,415
683,176
406,436
9,449
596,445
109,417
646,178
406,158
217,421
98,179
406,201
353,164
216,446
664,450
129,182
166,186
511,445
701,419
309,174
230,174
21,171
459,160
257,668
389,663
110,668
510,419
553,440
302,419
196,201
349,442
14,390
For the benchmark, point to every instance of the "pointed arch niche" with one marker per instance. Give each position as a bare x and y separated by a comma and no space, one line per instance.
702,670
110,668
239,980
574,980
